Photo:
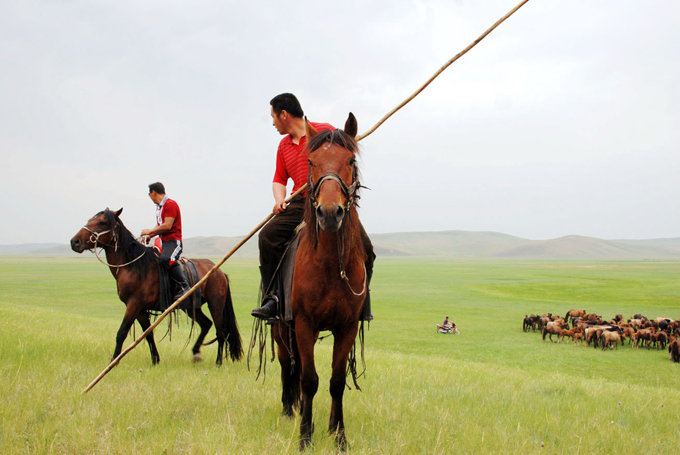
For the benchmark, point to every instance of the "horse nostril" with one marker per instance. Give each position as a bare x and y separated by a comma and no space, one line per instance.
339,212
319,212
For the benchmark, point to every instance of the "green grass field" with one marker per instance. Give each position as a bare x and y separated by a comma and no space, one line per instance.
490,389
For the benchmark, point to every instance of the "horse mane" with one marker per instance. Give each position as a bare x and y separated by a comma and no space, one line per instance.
341,138
130,247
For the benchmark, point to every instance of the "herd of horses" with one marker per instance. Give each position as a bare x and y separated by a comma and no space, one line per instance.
591,329
329,267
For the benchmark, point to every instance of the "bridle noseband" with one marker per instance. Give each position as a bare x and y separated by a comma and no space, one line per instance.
348,191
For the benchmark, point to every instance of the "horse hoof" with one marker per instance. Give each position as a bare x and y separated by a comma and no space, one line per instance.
341,442
197,358
305,443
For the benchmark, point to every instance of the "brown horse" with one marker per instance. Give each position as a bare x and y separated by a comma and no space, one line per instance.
329,282
136,270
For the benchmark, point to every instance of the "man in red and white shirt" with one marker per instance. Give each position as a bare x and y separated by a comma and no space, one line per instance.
291,163
169,228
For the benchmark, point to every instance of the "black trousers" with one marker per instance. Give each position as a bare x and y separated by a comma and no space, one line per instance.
275,235
172,249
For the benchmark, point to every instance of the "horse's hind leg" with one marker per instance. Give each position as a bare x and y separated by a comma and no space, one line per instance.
144,321
215,305
205,324
290,368
341,348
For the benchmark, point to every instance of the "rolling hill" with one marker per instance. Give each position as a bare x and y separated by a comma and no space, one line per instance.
440,244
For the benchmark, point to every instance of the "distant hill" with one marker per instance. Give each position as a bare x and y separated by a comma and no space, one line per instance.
441,244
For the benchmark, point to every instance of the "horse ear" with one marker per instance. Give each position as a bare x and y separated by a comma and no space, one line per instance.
351,125
310,132
118,212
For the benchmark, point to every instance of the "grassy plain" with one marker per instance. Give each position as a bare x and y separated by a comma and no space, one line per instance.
490,389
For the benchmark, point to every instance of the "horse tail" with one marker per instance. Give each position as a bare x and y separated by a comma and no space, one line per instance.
230,327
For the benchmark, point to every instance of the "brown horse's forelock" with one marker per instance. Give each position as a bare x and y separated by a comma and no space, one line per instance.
130,246
334,137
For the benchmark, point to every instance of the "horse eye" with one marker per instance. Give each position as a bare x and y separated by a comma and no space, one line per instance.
310,163
102,223
352,161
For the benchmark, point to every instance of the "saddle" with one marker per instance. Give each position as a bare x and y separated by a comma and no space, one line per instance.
168,288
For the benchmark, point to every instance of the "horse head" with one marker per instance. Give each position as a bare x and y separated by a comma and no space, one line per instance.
99,231
333,173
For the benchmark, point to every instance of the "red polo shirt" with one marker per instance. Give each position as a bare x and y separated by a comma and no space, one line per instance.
169,209
291,159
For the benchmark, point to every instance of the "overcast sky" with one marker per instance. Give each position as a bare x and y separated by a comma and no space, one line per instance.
565,120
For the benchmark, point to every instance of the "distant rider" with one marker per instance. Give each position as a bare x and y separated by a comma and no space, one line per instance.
169,228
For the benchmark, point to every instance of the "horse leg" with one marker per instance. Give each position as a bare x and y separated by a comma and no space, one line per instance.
216,311
144,321
204,323
290,373
342,346
124,329
309,381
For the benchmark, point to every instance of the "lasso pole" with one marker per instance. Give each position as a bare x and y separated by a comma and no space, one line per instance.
115,361
440,70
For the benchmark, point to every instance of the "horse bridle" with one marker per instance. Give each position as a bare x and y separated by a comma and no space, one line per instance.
349,191
94,239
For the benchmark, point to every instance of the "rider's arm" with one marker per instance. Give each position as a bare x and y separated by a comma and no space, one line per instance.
165,227
279,191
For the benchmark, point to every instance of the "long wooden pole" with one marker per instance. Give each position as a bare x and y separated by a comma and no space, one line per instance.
115,361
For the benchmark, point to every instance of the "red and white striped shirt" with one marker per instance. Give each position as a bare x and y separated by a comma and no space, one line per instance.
291,159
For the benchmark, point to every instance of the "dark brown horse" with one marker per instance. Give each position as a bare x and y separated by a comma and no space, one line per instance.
136,270
330,280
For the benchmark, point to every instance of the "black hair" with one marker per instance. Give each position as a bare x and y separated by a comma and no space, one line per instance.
287,102
157,187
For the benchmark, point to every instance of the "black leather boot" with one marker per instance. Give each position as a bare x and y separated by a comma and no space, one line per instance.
270,302
178,276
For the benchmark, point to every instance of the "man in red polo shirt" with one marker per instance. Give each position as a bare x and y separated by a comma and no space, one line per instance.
291,163
169,228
